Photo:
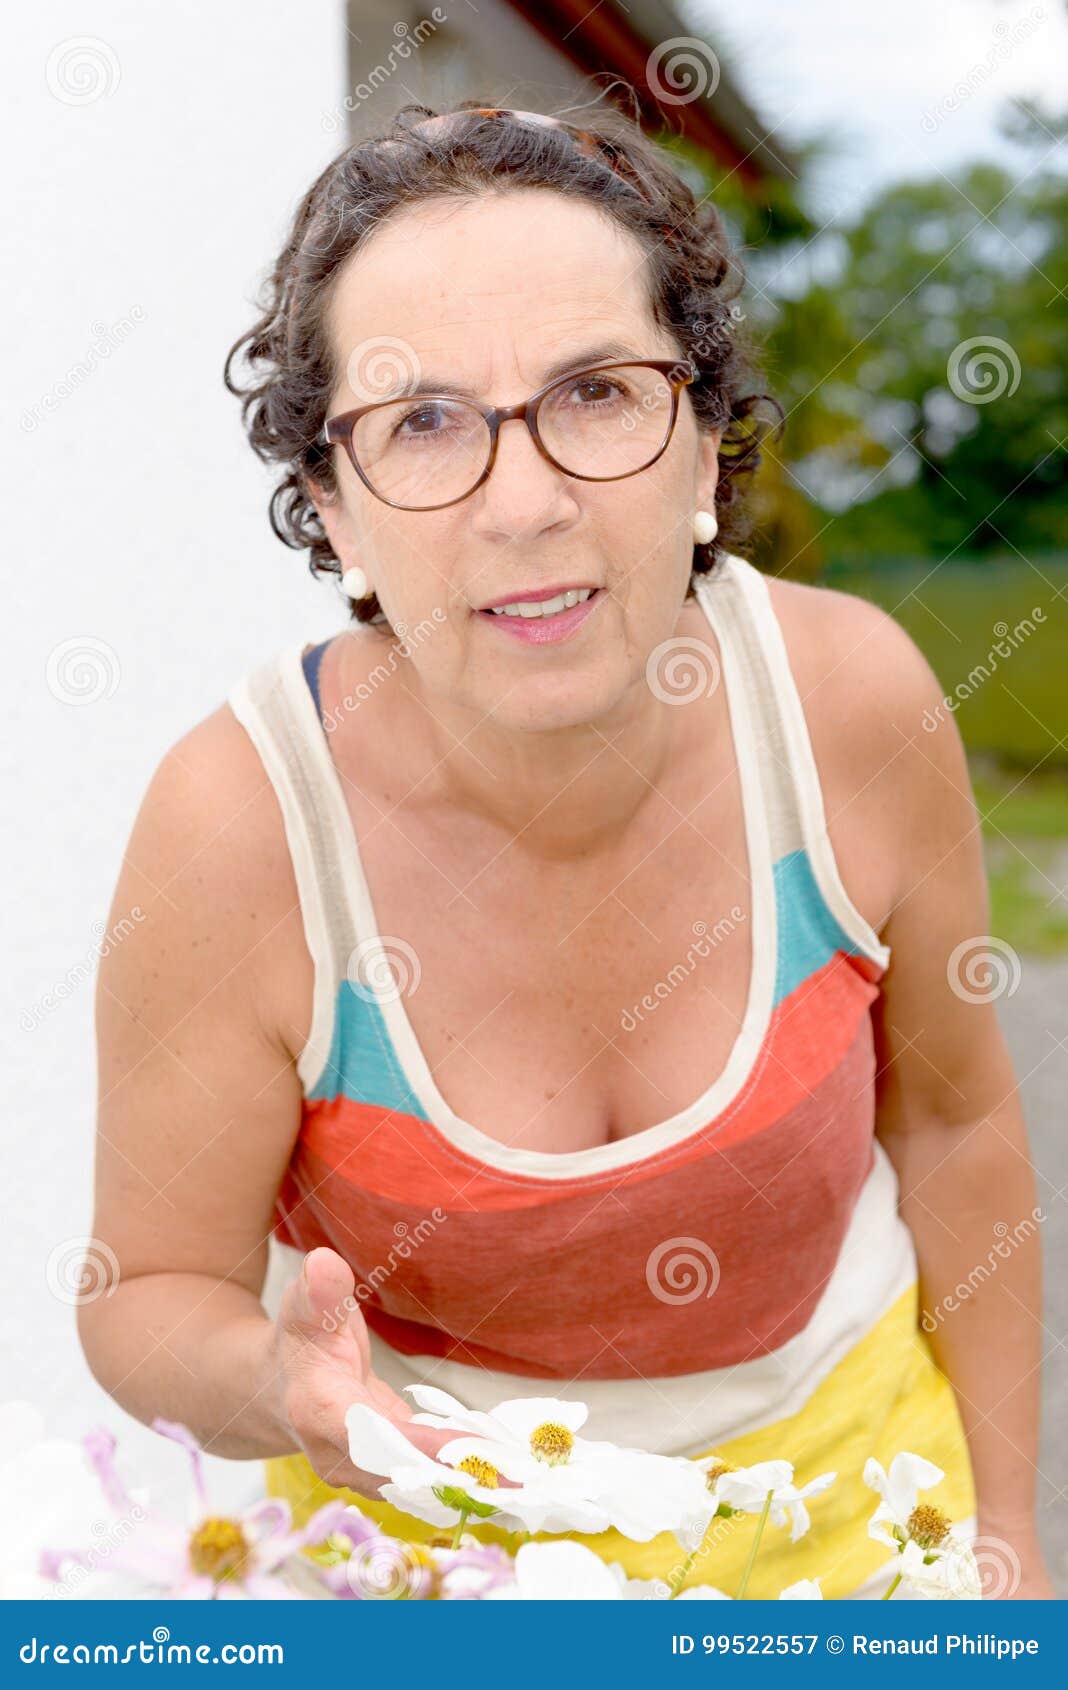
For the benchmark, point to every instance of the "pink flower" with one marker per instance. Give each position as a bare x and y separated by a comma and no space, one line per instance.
210,1556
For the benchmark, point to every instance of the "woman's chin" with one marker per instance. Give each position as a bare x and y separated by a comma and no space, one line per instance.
548,703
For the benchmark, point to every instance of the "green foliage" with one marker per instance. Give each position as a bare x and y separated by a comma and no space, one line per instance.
957,613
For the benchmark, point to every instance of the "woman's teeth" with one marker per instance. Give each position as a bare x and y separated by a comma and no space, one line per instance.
545,607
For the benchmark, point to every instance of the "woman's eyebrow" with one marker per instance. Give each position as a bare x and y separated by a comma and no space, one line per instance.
560,367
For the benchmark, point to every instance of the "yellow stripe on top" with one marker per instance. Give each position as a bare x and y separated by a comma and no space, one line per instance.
887,1395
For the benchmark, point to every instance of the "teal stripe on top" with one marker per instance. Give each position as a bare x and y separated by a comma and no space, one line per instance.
809,934
363,1064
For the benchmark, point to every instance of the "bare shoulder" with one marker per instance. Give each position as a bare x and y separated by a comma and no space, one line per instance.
889,753
207,866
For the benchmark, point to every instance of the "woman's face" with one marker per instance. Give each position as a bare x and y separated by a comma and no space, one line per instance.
488,294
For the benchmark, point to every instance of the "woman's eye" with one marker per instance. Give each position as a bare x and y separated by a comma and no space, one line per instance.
596,389
426,414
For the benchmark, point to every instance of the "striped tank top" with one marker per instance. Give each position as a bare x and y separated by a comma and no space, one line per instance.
734,1279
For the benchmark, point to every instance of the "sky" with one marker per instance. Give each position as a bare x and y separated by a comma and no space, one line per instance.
909,90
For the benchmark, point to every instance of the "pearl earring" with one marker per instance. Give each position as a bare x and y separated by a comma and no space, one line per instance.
705,528
354,583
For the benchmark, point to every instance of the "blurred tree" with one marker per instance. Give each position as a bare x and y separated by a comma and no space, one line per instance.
923,367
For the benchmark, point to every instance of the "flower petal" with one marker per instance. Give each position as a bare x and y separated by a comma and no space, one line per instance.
376,1444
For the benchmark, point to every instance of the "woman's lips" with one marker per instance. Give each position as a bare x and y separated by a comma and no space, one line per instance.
543,630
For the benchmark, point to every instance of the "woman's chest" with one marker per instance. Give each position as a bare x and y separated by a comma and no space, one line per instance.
558,1010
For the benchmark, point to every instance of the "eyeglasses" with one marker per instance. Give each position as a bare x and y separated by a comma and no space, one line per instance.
430,450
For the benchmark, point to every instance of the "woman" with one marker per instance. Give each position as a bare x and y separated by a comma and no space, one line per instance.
557,962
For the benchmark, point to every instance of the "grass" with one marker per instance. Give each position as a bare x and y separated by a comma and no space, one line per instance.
1012,710
1012,703
1025,832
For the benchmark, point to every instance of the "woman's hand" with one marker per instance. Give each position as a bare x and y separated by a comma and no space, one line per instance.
319,1362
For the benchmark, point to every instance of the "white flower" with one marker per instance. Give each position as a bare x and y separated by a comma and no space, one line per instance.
746,1489
805,1590
554,1501
533,1441
570,1571
899,1509
950,1572
559,1571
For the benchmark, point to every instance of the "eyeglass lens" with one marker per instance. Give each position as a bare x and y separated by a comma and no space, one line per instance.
601,424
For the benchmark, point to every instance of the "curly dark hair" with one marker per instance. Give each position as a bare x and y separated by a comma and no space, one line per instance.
693,278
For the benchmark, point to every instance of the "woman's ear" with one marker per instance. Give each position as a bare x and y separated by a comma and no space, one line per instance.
708,469
335,520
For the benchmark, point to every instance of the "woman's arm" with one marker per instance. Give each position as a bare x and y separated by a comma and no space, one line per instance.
199,1107
949,1114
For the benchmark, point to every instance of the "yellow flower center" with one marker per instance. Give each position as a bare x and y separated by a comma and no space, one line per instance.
483,1472
927,1525
715,1473
218,1549
552,1442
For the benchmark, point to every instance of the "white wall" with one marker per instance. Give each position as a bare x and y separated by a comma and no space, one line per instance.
163,197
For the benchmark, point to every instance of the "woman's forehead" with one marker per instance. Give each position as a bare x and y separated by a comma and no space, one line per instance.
452,299
518,243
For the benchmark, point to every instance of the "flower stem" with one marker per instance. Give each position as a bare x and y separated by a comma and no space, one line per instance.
888,1593
755,1546
460,1524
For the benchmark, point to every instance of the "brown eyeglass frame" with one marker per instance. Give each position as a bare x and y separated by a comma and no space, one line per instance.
338,430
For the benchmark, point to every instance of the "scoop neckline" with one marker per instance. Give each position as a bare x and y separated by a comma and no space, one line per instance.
707,1109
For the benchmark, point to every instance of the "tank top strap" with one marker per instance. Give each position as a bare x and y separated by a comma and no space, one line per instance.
737,601
274,704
